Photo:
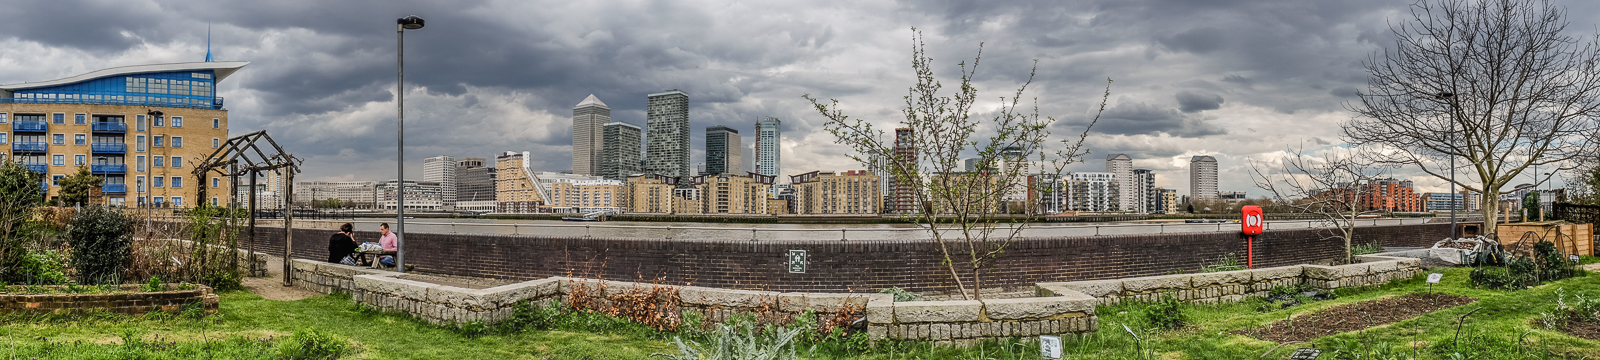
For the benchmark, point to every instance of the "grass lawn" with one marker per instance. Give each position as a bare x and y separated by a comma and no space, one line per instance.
1503,329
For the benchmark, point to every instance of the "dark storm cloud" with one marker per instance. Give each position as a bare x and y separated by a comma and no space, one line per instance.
1189,101
1135,118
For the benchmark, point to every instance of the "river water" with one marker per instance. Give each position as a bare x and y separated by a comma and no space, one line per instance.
818,232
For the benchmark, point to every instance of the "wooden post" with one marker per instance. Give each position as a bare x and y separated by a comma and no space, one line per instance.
288,224
253,200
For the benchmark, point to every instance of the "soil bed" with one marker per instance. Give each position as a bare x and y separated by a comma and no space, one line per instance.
1352,317
1582,329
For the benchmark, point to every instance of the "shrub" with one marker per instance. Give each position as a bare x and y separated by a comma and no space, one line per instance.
1166,314
41,268
1546,264
740,342
100,245
313,345
20,197
1366,249
1493,277
1228,262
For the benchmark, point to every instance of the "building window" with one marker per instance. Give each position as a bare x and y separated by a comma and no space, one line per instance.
177,121
177,161
215,123
58,160
177,201
79,139
158,121
216,182
139,164
158,141
55,180
2,138
77,160
177,181
158,161
2,118
58,139
60,119
177,141
158,201
213,201
138,122
80,119
158,181
138,143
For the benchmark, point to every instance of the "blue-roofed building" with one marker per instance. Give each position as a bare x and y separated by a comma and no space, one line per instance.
140,127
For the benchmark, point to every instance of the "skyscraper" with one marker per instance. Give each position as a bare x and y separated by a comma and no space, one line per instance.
1202,178
667,121
905,153
441,169
1121,165
587,139
620,157
723,147
1145,194
769,147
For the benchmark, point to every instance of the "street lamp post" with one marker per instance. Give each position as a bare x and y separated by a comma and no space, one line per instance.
402,24
1451,138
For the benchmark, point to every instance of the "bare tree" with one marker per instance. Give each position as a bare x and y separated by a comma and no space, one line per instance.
960,208
1493,83
1331,188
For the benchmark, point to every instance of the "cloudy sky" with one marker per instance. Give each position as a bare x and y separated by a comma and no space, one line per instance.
1232,79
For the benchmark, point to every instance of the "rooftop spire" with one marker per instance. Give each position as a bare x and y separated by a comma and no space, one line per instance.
208,42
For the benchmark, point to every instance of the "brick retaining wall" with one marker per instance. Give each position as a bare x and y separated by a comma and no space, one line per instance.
847,266
132,301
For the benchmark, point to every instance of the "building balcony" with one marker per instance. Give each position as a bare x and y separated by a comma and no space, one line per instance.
109,127
35,167
108,169
108,148
28,147
29,126
114,189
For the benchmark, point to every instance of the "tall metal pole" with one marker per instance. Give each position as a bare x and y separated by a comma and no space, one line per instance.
400,180
288,223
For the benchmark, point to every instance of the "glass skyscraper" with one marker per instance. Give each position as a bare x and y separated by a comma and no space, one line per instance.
667,124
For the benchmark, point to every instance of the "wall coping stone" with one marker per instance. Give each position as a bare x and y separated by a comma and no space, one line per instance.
953,311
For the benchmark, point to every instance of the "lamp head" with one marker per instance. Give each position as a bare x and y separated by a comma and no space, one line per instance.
410,22
1446,95
154,113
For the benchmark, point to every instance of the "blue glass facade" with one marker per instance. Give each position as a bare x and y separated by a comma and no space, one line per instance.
186,89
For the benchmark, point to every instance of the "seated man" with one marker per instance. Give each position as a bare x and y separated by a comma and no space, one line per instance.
341,245
388,240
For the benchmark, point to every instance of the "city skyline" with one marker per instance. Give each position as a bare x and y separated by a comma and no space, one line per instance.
1191,79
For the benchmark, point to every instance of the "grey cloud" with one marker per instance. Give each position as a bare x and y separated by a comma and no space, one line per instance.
1135,118
1189,101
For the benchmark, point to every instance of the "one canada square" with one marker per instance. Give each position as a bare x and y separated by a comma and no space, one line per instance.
588,124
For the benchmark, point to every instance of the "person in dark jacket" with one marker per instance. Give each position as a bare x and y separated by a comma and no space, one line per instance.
342,244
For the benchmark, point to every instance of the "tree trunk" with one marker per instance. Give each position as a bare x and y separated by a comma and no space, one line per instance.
1490,208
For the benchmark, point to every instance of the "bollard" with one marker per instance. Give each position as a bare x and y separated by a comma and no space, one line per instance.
752,234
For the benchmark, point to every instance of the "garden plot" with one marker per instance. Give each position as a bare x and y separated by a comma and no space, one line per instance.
1352,317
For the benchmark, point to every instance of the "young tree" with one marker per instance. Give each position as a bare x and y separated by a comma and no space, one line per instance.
20,195
925,159
1493,84
1331,187
76,189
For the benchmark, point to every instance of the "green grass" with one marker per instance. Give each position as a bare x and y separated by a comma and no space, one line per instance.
250,327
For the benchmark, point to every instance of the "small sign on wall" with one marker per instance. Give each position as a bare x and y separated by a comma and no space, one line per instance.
797,261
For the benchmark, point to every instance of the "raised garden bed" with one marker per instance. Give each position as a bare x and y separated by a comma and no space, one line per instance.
1352,317
127,299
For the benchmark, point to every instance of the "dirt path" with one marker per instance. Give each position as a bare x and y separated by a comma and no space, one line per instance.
271,287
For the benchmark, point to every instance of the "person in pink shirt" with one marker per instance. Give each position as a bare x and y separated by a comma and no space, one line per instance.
388,240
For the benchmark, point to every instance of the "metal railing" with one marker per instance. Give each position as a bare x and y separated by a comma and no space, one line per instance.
29,125
108,126
214,104
28,147
114,188
37,167
108,168
108,147
669,231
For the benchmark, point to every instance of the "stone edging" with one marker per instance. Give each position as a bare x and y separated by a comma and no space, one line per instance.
1229,286
132,302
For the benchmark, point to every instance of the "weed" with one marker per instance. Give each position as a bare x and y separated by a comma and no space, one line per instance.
1366,249
740,342
154,285
1165,314
313,344
901,294
1228,262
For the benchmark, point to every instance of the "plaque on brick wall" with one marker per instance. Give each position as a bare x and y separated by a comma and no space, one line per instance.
797,261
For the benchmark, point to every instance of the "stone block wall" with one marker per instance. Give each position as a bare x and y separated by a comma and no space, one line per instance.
130,300
1229,286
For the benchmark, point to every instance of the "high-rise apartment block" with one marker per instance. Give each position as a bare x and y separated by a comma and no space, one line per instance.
1121,165
1168,201
620,159
1145,194
1093,191
140,128
516,189
442,169
667,127
769,147
723,147
588,141
420,195
827,192
903,195
726,194
1202,178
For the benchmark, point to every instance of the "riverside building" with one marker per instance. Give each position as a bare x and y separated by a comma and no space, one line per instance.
827,192
141,128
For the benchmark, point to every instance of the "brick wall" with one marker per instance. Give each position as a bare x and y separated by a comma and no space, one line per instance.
859,266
